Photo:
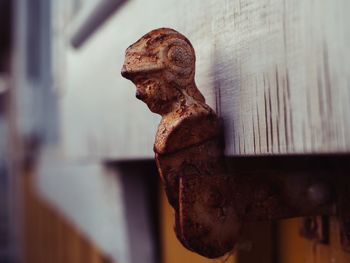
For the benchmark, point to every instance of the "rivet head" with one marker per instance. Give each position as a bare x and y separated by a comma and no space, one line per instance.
319,193
215,198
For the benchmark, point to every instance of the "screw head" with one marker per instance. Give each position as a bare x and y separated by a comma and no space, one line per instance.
319,193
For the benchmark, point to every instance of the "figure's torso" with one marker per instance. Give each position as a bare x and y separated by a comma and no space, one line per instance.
189,125
188,140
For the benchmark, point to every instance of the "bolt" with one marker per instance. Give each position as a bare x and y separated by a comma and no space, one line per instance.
215,198
319,193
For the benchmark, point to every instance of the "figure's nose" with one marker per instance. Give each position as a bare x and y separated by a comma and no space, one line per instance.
126,73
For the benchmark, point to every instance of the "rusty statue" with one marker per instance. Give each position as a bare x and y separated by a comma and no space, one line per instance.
188,147
209,203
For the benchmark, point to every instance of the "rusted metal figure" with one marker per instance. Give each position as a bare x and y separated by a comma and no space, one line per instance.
188,144
209,203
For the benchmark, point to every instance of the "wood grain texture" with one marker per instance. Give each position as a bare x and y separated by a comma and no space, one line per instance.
276,71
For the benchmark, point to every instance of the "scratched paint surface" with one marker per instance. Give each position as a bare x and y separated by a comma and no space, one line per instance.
277,72
289,69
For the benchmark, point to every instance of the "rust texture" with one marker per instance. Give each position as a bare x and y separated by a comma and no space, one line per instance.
210,203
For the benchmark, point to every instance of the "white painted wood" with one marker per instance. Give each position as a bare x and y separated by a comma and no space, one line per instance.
103,204
277,71
89,198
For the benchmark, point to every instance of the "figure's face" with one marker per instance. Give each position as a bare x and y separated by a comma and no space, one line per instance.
160,63
155,92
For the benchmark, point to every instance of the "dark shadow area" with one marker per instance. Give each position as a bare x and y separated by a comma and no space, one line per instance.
291,163
5,32
141,184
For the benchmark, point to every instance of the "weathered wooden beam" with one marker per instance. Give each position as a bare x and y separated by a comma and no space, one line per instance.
277,72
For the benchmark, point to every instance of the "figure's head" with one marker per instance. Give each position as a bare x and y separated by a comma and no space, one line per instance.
162,65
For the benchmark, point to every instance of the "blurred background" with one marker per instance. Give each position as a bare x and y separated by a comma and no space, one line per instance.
77,178
58,207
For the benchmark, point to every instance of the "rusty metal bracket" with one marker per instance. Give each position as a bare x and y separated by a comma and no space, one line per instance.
343,212
316,228
211,199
